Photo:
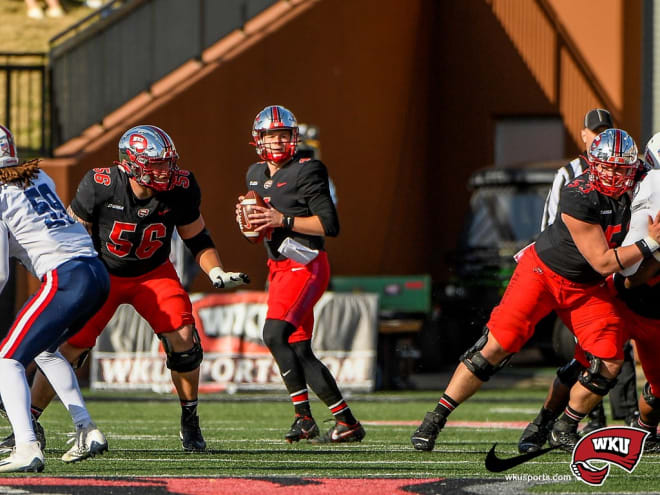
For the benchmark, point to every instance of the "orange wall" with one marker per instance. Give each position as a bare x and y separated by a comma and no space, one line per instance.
358,70
596,27
406,95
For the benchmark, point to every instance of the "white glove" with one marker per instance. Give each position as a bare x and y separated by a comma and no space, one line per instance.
227,280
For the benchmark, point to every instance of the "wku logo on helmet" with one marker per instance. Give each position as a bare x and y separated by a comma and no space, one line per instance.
137,142
620,446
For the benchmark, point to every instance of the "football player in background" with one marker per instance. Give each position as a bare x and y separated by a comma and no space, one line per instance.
564,271
36,229
595,121
131,211
300,214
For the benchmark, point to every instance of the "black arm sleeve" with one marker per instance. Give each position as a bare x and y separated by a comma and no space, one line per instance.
199,243
313,185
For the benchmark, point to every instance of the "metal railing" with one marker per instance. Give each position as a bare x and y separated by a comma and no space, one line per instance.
24,97
98,67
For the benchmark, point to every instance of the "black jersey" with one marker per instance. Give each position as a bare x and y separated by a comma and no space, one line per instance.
133,235
642,299
300,189
580,200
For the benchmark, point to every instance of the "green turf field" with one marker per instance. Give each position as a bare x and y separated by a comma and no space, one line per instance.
245,437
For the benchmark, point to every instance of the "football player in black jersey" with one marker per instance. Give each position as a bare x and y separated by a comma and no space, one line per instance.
300,214
131,211
564,271
623,396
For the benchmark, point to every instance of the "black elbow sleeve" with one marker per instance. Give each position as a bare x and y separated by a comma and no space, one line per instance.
330,225
199,243
323,206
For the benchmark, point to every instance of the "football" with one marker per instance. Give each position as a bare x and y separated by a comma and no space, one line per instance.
250,200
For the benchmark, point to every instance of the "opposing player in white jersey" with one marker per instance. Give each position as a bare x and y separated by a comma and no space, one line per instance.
638,286
36,229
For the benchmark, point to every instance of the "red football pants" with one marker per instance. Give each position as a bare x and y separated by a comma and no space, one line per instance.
157,296
294,290
646,334
534,290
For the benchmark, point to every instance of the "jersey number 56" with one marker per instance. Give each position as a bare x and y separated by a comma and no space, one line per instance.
148,245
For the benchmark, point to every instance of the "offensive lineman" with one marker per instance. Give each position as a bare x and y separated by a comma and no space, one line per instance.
564,271
131,211
36,229
300,213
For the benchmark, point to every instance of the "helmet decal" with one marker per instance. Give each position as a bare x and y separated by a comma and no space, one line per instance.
148,155
8,152
137,142
613,162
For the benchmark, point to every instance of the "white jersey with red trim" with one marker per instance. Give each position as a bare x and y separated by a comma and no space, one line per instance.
37,229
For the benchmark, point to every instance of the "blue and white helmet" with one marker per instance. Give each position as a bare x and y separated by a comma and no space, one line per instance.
8,152
652,152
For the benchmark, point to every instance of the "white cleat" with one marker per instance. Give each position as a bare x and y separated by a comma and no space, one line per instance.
87,442
26,457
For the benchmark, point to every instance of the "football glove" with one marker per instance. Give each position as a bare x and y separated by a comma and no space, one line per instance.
227,280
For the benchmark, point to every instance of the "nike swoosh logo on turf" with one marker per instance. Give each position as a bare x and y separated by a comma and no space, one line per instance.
496,465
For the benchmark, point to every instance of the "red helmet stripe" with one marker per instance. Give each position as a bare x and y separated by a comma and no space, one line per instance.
617,143
162,135
276,114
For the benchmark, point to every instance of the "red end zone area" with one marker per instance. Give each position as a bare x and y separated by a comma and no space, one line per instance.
208,486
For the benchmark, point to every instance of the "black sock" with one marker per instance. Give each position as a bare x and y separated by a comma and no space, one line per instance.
300,401
188,409
646,426
445,406
36,412
343,413
571,417
545,417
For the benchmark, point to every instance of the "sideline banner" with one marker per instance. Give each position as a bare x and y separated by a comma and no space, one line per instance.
128,355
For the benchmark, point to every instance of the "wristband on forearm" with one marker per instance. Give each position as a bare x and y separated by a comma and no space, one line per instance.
287,222
616,255
647,246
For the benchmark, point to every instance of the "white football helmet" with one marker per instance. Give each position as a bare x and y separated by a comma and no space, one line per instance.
8,152
272,118
148,155
652,152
